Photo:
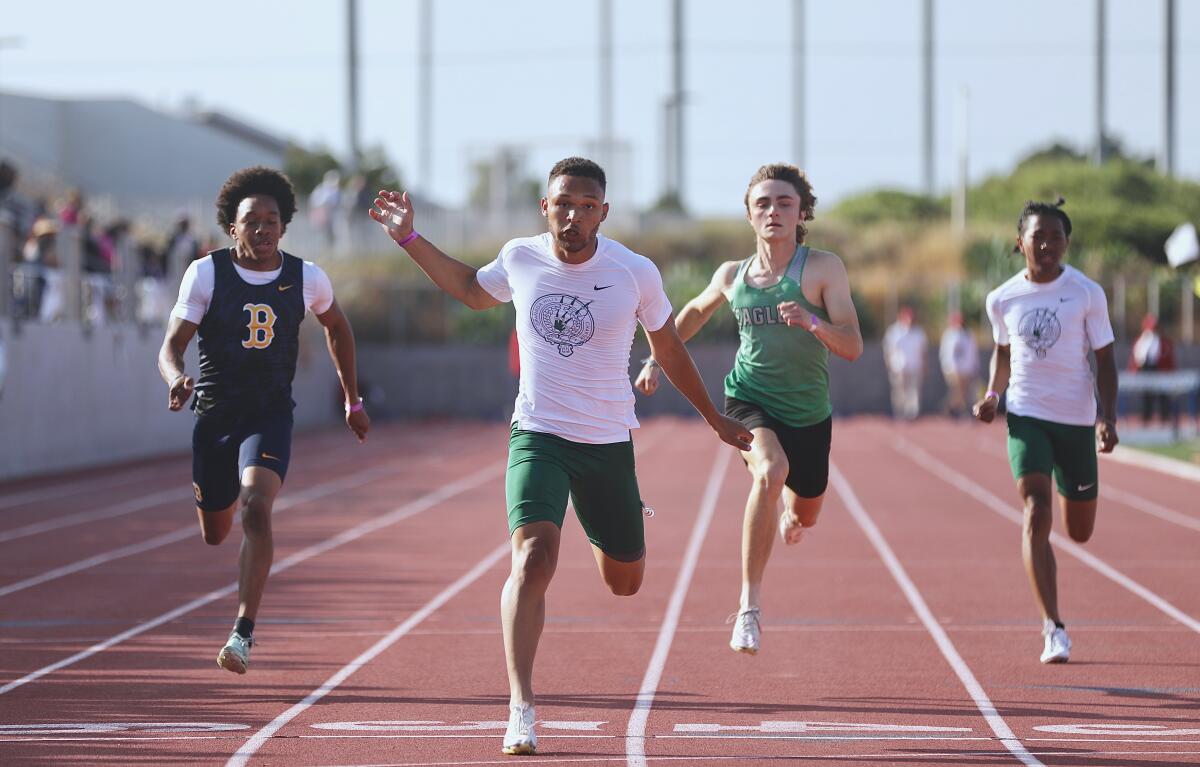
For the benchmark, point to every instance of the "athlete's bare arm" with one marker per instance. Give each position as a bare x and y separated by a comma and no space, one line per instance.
339,337
1106,384
841,335
1001,366
394,212
170,362
691,318
669,351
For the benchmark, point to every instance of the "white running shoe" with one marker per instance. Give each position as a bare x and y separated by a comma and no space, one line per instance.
790,528
1058,644
519,738
235,655
746,630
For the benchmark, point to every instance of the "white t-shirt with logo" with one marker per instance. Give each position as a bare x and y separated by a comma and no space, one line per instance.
196,288
1051,327
575,326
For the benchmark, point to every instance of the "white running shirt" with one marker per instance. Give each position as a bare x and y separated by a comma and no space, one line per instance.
575,325
196,288
1051,327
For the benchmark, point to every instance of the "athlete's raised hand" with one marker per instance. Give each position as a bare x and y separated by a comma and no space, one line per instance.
394,212
647,380
733,432
180,392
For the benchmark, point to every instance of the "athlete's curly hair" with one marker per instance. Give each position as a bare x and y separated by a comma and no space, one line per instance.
578,166
1037,208
790,173
251,181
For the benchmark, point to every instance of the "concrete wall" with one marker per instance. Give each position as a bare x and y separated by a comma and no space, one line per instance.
74,399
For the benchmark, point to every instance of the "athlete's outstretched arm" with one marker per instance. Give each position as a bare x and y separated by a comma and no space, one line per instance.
841,335
672,355
394,212
691,318
339,337
1001,367
170,362
1106,384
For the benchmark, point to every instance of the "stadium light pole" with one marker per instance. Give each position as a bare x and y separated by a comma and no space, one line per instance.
677,145
352,83
798,93
1167,159
606,84
425,97
1099,151
927,87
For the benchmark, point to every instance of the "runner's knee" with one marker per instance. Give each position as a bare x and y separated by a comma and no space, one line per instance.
1039,518
770,476
256,513
533,562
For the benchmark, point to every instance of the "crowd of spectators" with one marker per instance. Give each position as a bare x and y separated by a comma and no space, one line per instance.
125,268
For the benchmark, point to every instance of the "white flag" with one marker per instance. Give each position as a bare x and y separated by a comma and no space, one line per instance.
1182,246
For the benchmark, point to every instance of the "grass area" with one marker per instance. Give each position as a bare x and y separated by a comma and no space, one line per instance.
1184,451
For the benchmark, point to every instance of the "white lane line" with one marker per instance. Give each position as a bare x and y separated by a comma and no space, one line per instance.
974,689
173,495
256,741
392,517
976,491
1149,507
103,482
1159,463
635,732
282,504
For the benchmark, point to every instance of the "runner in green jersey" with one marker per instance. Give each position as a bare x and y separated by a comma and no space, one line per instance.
793,308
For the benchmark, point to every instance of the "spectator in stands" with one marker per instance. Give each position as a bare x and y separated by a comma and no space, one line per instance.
1153,351
904,346
41,290
324,205
959,358
71,208
182,248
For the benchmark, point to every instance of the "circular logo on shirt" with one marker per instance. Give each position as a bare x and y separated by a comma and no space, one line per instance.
1040,329
562,320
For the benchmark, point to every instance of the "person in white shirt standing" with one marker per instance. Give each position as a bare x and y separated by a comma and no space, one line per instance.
959,358
904,346
579,297
1045,321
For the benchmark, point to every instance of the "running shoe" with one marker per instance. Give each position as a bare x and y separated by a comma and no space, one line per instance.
746,629
235,655
1058,645
519,738
790,528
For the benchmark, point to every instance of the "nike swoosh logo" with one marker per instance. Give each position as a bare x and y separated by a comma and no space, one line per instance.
601,287
1081,488
285,287
269,457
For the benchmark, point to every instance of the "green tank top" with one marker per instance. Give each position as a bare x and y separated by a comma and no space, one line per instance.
784,370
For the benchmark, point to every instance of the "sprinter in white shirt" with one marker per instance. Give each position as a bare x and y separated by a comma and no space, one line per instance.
578,297
1045,322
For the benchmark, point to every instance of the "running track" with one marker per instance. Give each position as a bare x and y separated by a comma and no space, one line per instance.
902,631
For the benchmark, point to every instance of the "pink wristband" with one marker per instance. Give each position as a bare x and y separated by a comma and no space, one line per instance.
813,327
411,236
991,395
357,406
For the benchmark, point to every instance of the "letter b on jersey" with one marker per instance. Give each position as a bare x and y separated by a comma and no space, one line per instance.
262,326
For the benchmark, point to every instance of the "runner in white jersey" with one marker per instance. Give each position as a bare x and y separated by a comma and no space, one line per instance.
1045,321
578,298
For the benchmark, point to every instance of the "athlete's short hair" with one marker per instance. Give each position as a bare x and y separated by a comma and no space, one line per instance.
578,166
251,181
779,171
1037,208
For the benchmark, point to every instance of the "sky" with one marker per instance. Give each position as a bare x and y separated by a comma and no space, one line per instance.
524,75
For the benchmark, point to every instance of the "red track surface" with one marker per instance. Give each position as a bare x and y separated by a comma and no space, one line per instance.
888,633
